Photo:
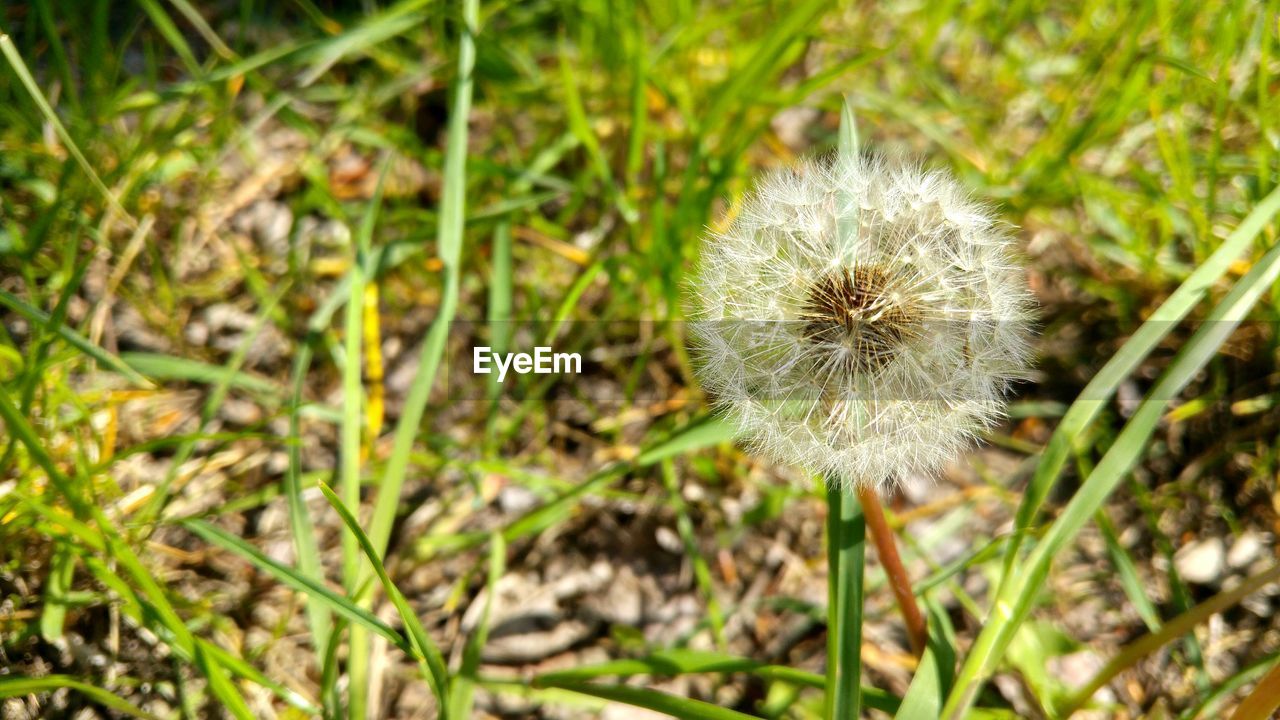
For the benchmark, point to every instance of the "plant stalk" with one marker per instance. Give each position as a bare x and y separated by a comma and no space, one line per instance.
846,552
899,581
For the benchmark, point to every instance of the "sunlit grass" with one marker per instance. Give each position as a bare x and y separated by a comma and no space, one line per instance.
574,154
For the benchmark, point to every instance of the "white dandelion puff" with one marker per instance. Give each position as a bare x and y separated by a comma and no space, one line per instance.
861,318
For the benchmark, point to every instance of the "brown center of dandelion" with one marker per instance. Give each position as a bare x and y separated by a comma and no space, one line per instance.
857,313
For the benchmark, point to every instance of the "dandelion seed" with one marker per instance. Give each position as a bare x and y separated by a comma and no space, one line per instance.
861,319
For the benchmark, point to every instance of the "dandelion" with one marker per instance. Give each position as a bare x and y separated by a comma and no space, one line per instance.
861,319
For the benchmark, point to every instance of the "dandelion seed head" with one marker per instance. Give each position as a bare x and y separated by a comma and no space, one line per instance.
861,318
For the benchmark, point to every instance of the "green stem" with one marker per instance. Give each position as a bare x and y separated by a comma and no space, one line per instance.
846,550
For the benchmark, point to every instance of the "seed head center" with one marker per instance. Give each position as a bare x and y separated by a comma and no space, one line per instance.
858,313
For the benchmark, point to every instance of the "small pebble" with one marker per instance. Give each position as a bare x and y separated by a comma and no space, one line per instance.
1201,562
668,540
516,499
1247,548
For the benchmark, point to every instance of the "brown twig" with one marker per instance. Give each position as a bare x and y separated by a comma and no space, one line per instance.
887,549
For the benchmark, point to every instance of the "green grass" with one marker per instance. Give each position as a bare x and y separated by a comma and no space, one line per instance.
571,156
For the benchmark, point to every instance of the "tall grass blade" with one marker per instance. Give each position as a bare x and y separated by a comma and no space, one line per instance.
501,290
452,218
847,148
351,436
170,32
352,427
304,538
1014,600
1098,392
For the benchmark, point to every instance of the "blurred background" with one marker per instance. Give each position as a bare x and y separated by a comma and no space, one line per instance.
227,230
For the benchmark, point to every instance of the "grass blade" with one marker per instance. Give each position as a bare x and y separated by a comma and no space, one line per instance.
501,286
673,663
351,435
17,686
581,128
463,691
24,75
237,666
374,30
672,705
1014,600
1210,704
1127,573
683,661
61,573
698,434
291,577
688,536
452,220
847,148
169,367
170,32
937,668
764,62
142,612
202,27
1097,393
1263,700
352,427
75,339
425,650
304,539
220,684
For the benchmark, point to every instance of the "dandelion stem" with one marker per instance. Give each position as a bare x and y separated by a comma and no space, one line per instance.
887,550
846,546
